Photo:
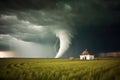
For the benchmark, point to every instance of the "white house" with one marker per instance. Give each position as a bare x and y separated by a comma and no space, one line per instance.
86,55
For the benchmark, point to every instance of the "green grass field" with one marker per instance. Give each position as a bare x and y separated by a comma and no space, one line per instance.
59,69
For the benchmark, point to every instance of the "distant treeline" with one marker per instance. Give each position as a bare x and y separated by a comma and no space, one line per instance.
110,54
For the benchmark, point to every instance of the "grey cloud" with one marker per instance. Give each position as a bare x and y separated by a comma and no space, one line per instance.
29,24
23,29
25,48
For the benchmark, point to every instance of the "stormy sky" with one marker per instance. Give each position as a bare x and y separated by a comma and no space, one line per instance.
45,28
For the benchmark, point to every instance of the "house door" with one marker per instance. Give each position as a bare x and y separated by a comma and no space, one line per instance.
85,58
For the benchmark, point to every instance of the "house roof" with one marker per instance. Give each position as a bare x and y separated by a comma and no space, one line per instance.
86,52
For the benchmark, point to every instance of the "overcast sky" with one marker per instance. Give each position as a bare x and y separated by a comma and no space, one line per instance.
30,27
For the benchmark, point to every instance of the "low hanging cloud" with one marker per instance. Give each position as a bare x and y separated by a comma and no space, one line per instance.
40,28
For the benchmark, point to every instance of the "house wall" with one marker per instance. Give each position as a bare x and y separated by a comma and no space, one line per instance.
82,57
86,57
92,56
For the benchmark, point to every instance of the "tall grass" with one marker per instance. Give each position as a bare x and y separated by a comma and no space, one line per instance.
59,69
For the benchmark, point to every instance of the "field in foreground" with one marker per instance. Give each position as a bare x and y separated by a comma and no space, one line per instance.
59,69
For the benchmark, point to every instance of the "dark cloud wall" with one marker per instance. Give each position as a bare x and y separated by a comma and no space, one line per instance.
94,24
27,4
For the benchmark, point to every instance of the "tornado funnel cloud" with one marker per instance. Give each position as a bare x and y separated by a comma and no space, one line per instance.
65,40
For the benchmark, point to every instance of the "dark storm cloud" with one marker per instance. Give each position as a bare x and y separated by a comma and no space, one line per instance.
4,47
4,44
38,23
37,20
28,26
87,11
27,4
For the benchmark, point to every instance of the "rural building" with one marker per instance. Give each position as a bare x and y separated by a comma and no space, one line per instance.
86,55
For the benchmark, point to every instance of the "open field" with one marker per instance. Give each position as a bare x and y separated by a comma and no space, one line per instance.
59,69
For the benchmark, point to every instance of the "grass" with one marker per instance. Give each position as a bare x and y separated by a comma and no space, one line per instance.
60,69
